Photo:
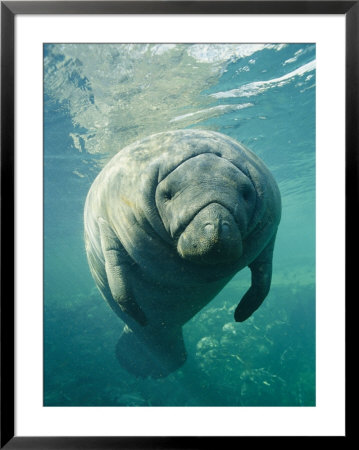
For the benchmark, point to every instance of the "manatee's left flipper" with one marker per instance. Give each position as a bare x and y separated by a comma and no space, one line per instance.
118,273
261,269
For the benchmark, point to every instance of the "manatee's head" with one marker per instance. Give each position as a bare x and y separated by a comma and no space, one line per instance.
206,204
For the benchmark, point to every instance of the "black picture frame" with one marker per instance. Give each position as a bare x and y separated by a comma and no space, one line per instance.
9,9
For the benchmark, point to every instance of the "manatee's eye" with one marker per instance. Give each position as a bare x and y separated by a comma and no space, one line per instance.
167,196
246,192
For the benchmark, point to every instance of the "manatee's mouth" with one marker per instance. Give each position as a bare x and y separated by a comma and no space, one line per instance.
212,237
182,227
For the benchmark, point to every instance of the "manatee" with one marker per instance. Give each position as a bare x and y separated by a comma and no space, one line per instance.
168,222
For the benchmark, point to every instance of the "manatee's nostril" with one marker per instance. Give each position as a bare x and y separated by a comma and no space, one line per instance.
226,231
209,228
225,228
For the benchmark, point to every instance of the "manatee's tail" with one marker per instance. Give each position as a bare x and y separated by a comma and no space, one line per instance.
156,357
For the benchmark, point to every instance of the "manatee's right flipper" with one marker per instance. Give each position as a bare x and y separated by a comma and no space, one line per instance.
118,272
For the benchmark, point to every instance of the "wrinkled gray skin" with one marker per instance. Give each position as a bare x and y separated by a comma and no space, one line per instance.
168,222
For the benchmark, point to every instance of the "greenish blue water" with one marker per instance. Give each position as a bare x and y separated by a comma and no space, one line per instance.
98,98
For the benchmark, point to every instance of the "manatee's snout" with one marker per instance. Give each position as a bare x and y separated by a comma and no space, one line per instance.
212,237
